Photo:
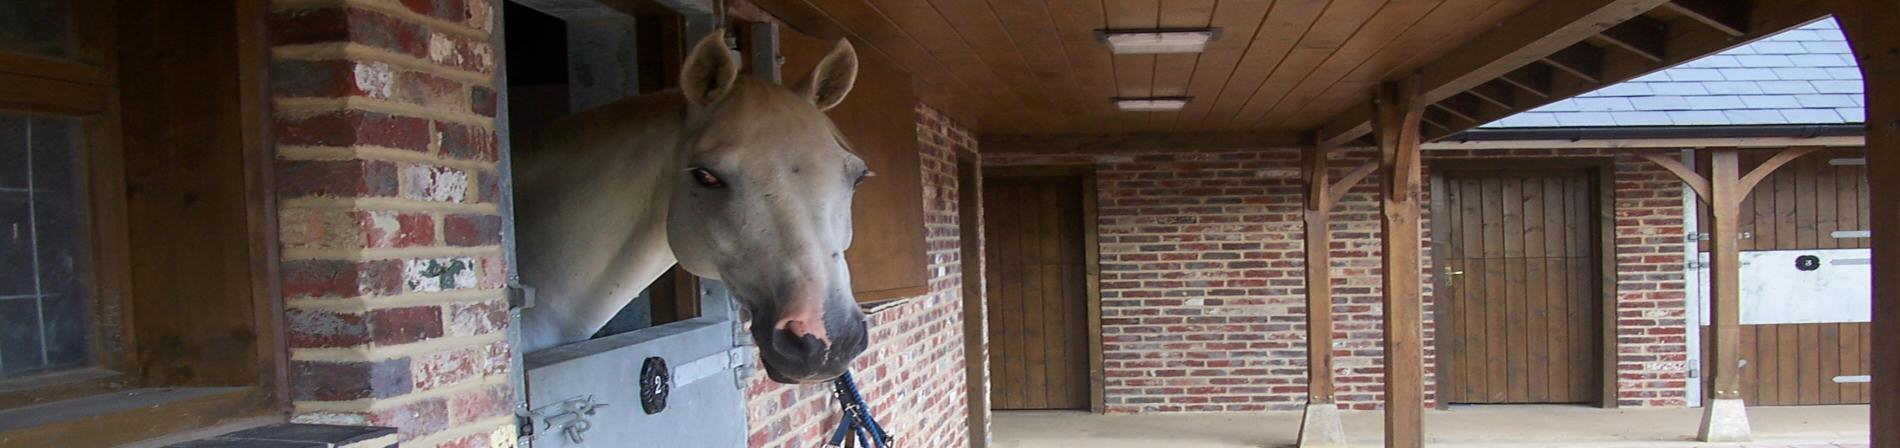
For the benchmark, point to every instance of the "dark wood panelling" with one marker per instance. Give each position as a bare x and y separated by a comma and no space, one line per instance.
1038,293
1521,298
887,257
1800,206
1796,364
188,198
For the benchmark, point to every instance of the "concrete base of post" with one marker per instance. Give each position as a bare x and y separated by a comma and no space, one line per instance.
1321,428
1724,420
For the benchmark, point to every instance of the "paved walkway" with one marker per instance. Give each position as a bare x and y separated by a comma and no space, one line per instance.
1478,426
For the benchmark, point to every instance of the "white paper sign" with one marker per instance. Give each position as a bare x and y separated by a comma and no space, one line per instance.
1788,287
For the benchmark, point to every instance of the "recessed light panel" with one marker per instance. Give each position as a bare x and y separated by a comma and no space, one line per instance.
1158,104
1157,41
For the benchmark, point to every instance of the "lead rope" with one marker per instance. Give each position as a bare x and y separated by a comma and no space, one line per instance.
857,422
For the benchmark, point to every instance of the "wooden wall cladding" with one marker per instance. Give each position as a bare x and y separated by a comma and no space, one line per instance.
187,193
1800,206
878,118
1797,364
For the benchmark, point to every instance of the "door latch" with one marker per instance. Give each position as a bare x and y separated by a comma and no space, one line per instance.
568,417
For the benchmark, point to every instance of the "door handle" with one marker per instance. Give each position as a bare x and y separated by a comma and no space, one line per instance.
1455,273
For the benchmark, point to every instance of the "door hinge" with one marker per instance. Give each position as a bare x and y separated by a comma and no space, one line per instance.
520,296
1694,237
1694,265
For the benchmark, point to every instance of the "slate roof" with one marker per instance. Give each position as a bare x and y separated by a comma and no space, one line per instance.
1805,75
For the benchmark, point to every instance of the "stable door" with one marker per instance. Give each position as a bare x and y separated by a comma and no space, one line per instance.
1037,292
1521,295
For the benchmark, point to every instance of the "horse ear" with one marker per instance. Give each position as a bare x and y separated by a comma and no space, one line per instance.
709,71
828,83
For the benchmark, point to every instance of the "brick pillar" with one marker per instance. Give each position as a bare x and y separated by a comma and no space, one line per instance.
392,260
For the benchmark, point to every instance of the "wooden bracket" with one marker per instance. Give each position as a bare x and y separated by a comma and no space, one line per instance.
1754,176
1321,194
1702,186
1338,189
1696,181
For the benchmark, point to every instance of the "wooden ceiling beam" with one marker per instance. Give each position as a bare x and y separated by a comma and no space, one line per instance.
1583,60
1542,29
1642,36
1443,118
1500,93
1547,84
1115,142
1463,106
1728,17
1534,79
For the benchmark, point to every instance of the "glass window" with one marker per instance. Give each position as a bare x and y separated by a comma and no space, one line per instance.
43,275
37,27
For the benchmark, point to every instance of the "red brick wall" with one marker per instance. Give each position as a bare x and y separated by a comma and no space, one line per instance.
913,372
1202,284
389,217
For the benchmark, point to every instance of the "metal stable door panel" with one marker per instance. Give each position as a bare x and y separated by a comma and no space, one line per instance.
589,394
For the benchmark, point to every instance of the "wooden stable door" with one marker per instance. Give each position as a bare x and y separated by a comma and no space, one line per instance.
1815,204
1038,299
1521,294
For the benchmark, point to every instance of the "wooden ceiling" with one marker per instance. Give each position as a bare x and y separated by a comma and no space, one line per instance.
1285,67
1036,66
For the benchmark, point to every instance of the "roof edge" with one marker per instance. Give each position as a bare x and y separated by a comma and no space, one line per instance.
1672,132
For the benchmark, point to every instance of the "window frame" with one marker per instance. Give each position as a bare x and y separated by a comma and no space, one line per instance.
83,88
87,87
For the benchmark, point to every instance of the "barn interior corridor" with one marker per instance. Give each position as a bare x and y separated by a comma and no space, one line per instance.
1464,426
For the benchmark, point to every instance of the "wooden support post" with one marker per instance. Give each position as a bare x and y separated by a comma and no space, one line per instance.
1320,426
1724,416
1396,113
1871,30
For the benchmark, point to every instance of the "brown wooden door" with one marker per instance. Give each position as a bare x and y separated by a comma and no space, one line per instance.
1037,310
1801,206
1521,288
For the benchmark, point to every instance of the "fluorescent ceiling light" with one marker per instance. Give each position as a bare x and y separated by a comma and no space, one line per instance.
1157,104
1157,41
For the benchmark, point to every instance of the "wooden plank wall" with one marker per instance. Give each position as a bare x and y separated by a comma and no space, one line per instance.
1523,322
1038,298
1799,207
191,252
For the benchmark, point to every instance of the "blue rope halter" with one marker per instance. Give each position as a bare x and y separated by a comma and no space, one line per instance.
857,421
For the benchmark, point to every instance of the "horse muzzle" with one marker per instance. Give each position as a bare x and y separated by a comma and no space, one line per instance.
796,353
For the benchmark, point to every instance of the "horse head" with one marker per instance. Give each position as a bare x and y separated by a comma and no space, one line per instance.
763,203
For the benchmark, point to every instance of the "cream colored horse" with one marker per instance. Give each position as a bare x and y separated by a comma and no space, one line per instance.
733,178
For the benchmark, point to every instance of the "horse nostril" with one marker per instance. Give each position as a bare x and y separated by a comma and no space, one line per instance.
797,344
797,328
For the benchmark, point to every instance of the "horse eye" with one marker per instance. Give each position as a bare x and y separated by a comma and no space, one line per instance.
862,177
706,178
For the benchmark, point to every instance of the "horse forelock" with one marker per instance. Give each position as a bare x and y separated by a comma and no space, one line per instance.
756,111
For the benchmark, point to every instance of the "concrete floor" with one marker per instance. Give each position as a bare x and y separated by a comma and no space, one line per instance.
1493,426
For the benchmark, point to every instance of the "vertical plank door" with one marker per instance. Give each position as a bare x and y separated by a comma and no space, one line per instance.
1521,295
1801,207
1037,294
